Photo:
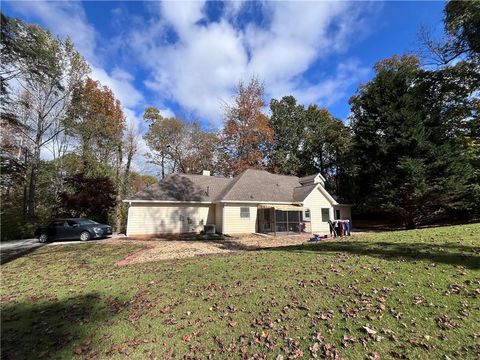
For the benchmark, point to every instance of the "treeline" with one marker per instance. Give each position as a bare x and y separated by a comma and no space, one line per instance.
65,148
409,150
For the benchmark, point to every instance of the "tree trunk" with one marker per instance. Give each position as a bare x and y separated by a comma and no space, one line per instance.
25,187
321,161
118,211
32,189
409,222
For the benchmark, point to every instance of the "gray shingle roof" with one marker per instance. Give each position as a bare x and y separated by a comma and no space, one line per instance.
250,185
184,187
307,179
301,192
259,185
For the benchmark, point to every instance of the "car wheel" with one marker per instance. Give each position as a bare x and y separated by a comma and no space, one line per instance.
84,236
43,238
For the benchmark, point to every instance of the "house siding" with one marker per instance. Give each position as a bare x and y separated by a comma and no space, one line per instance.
345,212
315,201
151,219
234,224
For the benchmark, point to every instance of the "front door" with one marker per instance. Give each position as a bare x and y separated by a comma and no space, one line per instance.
265,220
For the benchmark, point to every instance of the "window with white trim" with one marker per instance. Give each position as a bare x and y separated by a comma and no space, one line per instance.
325,214
245,213
306,215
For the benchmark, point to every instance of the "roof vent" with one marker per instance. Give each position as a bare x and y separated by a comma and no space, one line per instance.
206,172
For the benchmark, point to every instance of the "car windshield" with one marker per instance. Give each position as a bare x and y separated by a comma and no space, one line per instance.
87,222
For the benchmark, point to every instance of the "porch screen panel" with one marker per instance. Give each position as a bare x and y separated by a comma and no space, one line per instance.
287,221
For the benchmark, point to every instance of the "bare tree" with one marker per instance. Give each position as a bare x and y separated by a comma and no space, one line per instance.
43,100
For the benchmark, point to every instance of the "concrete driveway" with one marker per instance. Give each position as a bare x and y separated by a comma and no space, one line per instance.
10,250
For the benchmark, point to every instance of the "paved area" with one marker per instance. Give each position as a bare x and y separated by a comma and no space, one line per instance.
10,250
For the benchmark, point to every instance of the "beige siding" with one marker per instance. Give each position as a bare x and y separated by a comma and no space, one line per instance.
234,224
219,218
345,212
315,202
149,219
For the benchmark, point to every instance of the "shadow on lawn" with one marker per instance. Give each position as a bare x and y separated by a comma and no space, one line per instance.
8,255
41,330
454,254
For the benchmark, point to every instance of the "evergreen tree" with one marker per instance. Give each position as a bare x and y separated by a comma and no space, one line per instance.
289,122
408,159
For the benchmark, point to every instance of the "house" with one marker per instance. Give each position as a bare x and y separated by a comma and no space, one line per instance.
253,201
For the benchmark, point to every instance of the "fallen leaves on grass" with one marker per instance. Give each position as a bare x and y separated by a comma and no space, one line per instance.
445,323
369,330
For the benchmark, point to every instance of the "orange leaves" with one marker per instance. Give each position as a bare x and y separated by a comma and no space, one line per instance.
96,117
246,131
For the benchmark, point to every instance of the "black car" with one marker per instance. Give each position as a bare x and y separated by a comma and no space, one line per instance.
72,229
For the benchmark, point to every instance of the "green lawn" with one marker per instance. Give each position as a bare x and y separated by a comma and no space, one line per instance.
409,294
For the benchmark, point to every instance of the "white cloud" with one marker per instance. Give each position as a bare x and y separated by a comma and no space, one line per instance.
181,15
167,113
201,71
68,19
120,82
201,68
333,88
64,18
197,64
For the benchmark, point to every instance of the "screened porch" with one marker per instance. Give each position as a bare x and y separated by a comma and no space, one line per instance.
283,219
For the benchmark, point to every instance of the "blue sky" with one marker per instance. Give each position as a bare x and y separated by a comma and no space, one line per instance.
187,57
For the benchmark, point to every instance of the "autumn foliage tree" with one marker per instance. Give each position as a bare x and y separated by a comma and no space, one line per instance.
246,133
97,120
177,145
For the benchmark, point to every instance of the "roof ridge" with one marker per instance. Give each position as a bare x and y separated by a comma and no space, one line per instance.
230,186
270,173
205,176
305,185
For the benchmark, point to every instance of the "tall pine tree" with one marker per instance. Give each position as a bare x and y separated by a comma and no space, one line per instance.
408,159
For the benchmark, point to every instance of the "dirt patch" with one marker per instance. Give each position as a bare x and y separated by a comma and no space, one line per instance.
165,249
131,259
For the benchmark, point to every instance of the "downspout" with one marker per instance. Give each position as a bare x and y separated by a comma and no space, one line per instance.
223,218
275,221
128,219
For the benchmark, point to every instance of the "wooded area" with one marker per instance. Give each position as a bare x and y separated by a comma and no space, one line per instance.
410,148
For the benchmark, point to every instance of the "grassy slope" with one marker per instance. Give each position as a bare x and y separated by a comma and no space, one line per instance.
419,291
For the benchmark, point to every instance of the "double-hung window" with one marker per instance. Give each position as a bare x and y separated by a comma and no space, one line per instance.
325,214
306,215
244,212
